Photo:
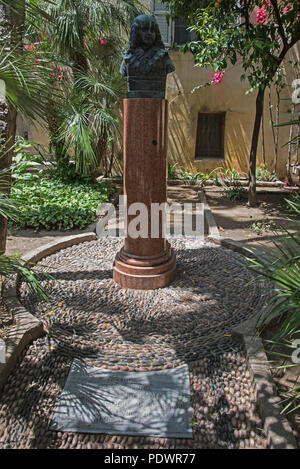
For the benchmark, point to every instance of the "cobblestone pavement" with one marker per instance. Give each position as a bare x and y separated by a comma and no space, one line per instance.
89,317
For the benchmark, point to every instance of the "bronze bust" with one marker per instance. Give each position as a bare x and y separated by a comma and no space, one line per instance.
146,62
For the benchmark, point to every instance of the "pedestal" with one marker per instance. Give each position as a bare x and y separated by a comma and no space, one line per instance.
145,262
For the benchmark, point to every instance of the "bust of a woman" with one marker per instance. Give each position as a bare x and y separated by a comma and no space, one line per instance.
146,62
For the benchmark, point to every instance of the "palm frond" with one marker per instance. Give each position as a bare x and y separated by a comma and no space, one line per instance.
10,265
25,89
31,7
72,20
77,135
91,83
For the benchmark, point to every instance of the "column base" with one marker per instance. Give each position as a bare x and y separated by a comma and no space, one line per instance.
139,277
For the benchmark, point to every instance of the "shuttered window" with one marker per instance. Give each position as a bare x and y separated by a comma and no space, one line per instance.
171,31
210,136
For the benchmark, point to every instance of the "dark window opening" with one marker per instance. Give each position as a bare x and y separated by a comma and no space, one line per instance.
181,33
210,136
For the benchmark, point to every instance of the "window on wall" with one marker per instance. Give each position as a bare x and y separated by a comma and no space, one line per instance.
172,32
210,136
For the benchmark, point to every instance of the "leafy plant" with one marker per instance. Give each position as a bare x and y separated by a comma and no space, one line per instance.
282,268
263,174
192,178
259,226
231,175
172,173
69,174
204,177
54,204
199,177
236,193
230,181
24,161
10,265
292,202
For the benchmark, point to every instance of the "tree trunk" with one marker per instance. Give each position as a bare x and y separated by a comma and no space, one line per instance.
11,31
55,145
289,162
110,165
252,201
277,128
101,155
263,138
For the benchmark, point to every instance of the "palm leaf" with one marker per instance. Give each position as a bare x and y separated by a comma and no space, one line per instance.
11,265
26,90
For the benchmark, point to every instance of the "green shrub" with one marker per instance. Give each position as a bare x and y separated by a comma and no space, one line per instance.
26,157
260,226
54,204
263,174
236,193
172,173
294,199
69,175
282,268
198,178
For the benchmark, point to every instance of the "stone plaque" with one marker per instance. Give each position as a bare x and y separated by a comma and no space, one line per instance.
97,400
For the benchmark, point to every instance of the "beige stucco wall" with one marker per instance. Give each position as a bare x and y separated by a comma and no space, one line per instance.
229,96
35,132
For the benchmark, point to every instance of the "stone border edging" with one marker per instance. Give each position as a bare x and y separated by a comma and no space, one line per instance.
213,232
276,426
26,327
209,182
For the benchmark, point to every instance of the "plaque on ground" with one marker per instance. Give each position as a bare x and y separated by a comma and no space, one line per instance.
153,403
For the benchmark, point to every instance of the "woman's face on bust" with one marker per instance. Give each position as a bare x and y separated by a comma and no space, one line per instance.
146,32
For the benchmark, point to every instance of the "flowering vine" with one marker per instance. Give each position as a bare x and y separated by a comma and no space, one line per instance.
217,78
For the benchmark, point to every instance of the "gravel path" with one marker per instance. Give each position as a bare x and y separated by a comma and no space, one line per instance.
222,397
89,317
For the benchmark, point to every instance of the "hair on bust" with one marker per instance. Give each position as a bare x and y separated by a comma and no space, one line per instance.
134,40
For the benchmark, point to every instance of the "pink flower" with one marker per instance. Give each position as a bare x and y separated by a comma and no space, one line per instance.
288,8
52,75
28,47
261,15
217,78
103,42
37,60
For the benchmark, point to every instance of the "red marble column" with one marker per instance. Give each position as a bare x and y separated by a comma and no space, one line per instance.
145,262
